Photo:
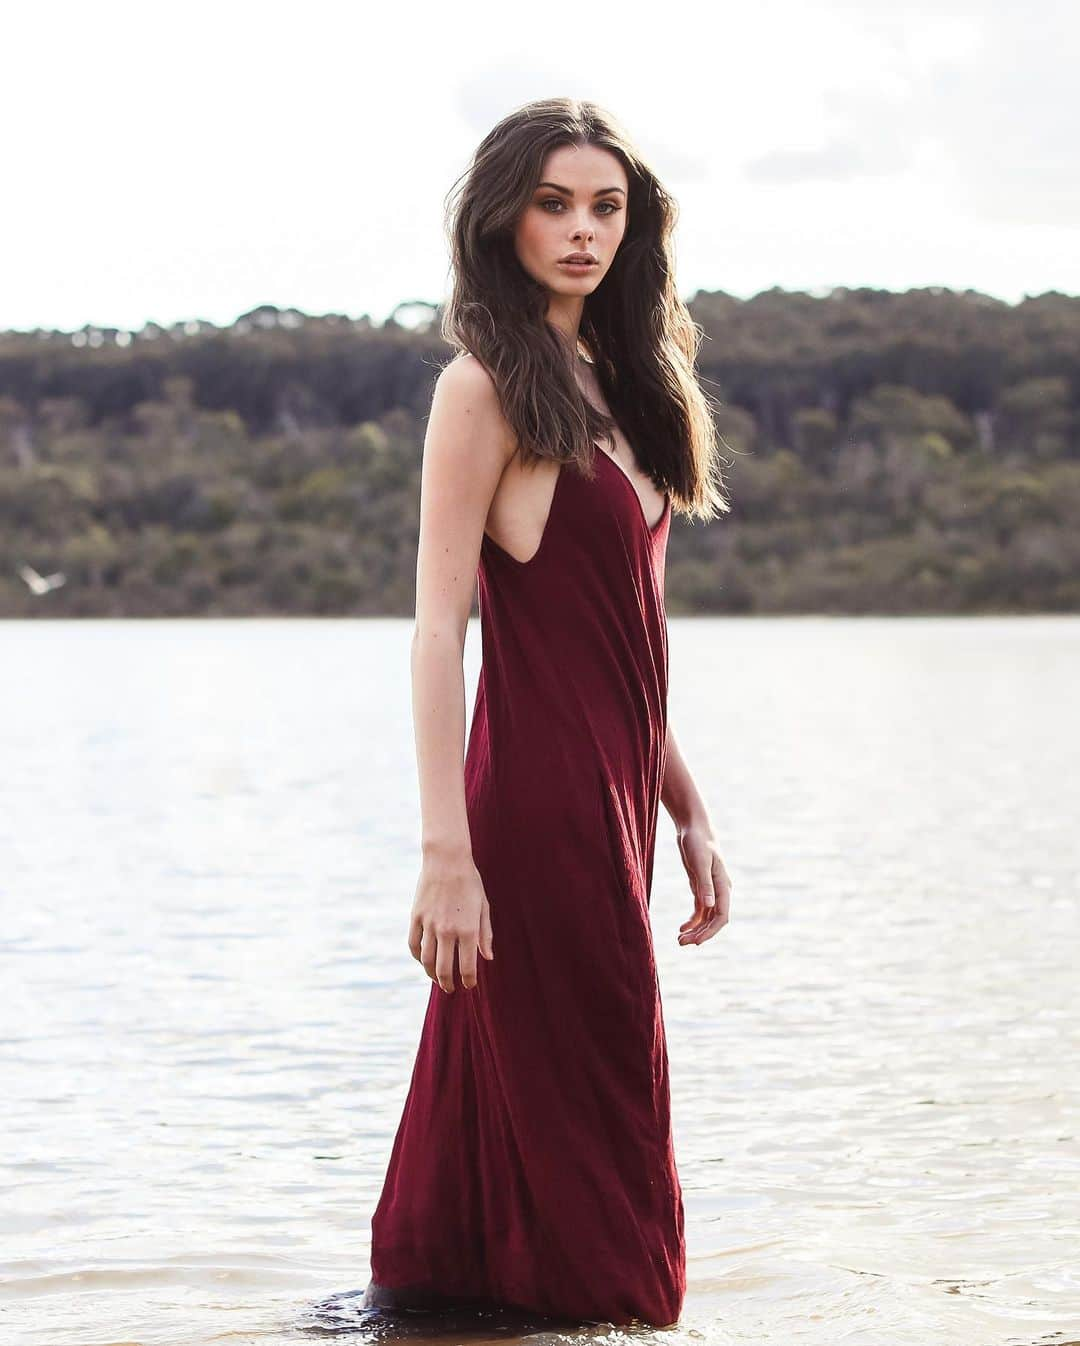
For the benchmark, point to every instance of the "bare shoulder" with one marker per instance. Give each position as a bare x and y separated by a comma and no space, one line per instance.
465,372
467,400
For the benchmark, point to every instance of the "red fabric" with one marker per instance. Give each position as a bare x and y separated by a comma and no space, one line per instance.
533,1165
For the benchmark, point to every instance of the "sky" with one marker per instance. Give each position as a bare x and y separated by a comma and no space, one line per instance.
170,163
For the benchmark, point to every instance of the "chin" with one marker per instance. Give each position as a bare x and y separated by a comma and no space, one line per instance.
564,284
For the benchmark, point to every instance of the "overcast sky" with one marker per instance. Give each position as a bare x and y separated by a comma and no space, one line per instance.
193,161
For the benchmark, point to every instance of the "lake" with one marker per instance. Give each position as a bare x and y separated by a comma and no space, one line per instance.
209,837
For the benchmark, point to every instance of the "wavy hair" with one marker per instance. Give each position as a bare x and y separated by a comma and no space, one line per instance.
636,330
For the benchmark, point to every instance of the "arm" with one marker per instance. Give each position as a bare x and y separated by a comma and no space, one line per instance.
709,881
466,447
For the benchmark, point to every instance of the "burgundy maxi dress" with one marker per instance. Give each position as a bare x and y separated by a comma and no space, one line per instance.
533,1164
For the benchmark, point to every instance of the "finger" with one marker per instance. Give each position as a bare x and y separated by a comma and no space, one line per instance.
487,939
704,901
694,936
416,931
710,928
693,930
701,910
706,932
723,889
467,963
429,948
690,928
444,963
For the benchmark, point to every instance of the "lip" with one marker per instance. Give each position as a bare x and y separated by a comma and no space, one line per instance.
578,259
574,265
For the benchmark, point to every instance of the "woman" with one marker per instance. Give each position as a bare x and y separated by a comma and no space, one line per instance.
533,1163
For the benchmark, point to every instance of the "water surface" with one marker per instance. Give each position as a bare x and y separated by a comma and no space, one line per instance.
209,834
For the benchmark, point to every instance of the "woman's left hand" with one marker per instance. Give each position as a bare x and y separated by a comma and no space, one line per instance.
709,884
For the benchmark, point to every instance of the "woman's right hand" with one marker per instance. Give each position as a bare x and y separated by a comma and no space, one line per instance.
450,914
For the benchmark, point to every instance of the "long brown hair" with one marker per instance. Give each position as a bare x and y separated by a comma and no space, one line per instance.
637,331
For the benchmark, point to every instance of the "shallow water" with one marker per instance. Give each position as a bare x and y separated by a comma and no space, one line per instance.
208,834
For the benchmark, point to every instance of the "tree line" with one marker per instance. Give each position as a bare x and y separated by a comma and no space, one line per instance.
883,452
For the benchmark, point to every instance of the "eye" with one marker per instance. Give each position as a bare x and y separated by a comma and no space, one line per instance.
612,208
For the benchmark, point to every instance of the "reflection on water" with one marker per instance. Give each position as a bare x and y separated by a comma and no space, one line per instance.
343,1314
209,834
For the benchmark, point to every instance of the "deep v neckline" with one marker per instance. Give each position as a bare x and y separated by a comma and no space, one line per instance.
651,529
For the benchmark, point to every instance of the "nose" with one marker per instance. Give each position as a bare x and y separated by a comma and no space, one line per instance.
582,231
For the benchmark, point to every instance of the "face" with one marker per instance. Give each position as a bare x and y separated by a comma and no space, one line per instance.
579,205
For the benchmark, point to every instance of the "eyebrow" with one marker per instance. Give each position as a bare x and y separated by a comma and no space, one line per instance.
566,191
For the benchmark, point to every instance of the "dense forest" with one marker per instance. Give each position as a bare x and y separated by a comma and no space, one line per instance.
899,453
